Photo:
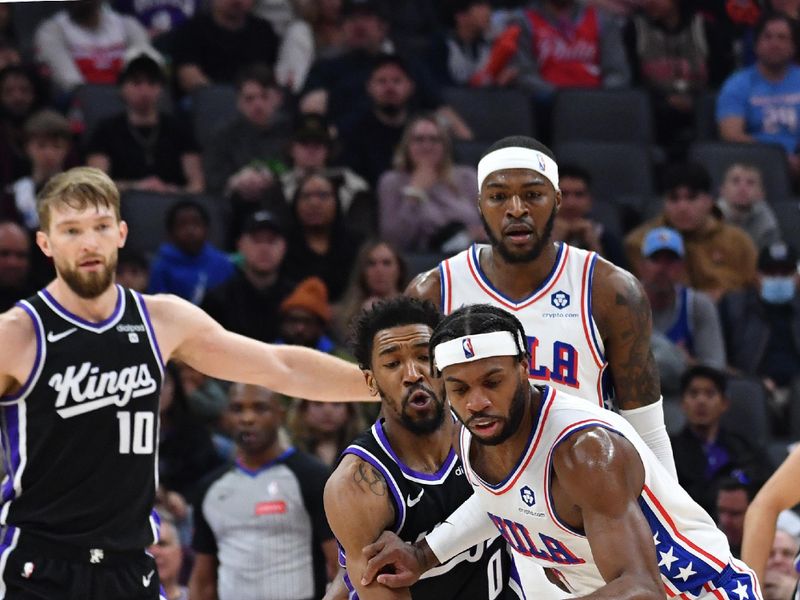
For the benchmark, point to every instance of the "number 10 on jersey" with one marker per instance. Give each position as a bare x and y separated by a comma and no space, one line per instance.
136,437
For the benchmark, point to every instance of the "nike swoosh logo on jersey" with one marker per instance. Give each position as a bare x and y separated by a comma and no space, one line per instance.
413,502
146,579
54,337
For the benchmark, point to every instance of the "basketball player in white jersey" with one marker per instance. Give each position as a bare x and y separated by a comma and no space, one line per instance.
588,323
568,485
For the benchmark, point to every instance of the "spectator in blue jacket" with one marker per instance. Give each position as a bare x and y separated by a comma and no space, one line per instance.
188,265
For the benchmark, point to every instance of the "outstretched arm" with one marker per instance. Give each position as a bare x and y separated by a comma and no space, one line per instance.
359,507
621,541
623,314
188,334
782,491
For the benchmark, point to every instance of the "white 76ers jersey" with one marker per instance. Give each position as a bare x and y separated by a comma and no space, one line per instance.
565,346
693,555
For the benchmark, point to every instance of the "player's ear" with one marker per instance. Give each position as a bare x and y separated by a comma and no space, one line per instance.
371,384
44,243
558,200
123,232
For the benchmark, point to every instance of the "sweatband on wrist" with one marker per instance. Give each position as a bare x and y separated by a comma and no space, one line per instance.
516,157
468,526
469,348
648,421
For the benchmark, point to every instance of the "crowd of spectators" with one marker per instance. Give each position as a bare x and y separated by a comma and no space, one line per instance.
309,159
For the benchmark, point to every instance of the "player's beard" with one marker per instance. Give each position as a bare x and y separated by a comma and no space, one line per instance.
531,254
511,423
418,426
92,284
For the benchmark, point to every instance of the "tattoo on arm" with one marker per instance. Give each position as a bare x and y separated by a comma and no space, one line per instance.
368,477
636,378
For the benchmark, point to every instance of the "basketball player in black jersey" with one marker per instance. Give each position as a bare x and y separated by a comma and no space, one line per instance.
403,474
81,365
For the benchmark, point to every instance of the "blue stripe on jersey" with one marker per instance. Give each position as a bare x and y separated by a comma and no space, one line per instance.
12,458
684,570
442,289
37,362
149,324
589,319
100,327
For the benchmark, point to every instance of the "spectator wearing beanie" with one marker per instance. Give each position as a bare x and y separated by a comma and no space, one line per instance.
305,315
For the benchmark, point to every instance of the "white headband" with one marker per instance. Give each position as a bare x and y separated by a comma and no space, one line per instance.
475,347
516,157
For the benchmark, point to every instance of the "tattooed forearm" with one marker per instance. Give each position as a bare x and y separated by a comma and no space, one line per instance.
634,370
368,477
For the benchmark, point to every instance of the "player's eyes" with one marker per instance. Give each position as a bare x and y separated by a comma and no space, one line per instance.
391,364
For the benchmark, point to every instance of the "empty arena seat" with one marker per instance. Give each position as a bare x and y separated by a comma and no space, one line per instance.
748,414
212,107
602,115
493,113
788,215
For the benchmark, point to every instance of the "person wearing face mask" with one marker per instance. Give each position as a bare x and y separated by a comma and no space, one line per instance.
761,326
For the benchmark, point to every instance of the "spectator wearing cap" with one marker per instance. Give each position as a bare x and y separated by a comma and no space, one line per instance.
245,155
719,257
47,142
705,451
188,265
248,302
143,148
762,326
213,45
687,317
310,152
305,316
338,86
86,43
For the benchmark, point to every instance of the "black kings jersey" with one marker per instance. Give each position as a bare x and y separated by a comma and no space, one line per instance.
80,437
422,501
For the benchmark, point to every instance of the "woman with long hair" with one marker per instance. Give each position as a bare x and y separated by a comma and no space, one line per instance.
379,272
427,203
324,429
320,243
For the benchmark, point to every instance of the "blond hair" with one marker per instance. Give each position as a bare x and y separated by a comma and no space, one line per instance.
77,188
402,158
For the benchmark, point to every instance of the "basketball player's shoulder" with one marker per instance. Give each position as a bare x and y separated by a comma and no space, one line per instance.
357,492
426,286
16,330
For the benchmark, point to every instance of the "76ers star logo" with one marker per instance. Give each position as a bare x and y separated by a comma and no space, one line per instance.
466,345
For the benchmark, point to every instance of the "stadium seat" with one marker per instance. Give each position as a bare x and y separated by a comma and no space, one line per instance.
674,417
420,262
469,152
146,212
747,415
618,169
705,118
602,115
98,102
788,215
769,158
493,113
607,213
25,20
212,107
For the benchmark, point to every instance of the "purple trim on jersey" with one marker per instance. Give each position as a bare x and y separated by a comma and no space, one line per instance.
279,459
434,477
442,292
400,506
514,574
548,469
84,322
546,396
149,324
36,361
545,282
12,459
353,595
590,319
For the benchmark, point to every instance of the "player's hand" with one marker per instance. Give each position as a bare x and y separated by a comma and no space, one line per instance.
396,563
